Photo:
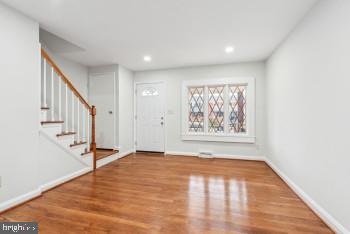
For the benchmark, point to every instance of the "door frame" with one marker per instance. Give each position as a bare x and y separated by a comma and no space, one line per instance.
115,130
136,83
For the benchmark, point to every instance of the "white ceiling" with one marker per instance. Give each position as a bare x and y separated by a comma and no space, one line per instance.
175,33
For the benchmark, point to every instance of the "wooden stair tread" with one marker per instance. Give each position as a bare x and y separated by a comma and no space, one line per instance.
52,122
45,108
100,153
88,152
65,134
78,143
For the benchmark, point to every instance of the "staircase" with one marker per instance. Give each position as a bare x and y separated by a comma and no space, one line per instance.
66,118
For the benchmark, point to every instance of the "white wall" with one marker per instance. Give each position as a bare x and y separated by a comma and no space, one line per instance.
126,113
76,73
20,104
308,108
173,79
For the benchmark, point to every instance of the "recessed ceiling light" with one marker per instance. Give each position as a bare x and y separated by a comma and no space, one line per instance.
229,49
147,58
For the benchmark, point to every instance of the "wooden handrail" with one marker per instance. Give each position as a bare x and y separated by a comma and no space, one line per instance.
64,78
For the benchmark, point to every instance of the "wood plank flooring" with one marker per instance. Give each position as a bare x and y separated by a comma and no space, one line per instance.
102,153
149,193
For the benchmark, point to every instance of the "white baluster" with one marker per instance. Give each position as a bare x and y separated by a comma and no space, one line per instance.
73,111
88,129
52,94
78,119
66,107
59,98
44,85
84,123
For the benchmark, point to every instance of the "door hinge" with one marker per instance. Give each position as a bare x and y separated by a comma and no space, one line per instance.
135,142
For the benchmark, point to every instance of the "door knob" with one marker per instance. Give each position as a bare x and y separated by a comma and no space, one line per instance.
110,112
161,123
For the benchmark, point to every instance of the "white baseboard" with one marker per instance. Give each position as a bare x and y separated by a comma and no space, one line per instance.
180,153
126,153
106,160
113,157
20,199
240,157
37,192
322,213
64,179
224,156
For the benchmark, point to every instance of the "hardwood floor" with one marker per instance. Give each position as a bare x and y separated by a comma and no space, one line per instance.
102,153
149,193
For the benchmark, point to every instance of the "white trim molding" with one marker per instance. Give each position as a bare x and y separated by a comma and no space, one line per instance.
223,156
218,138
19,199
64,179
42,188
225,136
312,204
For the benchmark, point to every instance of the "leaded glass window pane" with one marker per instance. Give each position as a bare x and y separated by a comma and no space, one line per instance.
196,109
150,92
237,109
216,109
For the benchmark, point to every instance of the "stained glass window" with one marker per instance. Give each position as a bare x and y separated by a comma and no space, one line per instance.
216,109
237,109
196,109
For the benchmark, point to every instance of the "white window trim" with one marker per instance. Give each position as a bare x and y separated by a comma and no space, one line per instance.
248,137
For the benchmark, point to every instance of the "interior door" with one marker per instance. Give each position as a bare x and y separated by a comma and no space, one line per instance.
150,117
101,95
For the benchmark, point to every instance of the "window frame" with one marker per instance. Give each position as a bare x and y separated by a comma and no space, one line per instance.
247,137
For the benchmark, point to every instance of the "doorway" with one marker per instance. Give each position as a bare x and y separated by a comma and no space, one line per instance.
150,118
102,95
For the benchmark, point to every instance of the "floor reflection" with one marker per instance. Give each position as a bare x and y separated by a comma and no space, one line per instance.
216,197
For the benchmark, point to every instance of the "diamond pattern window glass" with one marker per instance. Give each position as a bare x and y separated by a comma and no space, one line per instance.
150,92
196,109
237,109
216,109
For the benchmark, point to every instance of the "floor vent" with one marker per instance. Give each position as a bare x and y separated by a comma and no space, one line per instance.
205,154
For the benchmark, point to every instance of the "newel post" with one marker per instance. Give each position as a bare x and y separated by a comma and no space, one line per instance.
93,137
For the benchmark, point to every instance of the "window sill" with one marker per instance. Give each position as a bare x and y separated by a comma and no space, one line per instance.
218,138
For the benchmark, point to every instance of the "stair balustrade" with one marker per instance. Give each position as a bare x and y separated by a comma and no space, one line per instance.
63,102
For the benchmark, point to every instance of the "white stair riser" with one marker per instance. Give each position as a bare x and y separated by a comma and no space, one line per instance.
79,149
65,141
52,129
43,115
66,137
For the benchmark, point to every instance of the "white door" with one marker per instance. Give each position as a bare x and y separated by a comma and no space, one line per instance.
101,95
150,117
